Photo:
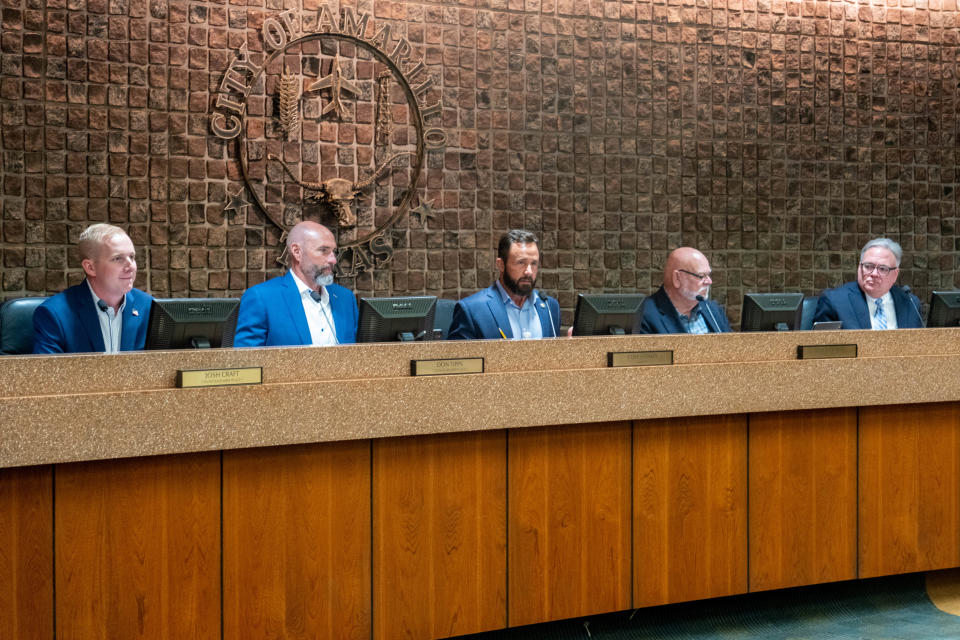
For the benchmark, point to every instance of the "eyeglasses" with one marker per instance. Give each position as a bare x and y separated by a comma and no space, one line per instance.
698,276
882,269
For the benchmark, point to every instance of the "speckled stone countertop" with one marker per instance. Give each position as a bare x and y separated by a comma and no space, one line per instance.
89,407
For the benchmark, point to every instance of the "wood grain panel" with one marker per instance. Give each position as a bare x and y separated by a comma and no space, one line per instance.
26,552
568,521
296,542
690,509
803,498
909,494
138,548
440,535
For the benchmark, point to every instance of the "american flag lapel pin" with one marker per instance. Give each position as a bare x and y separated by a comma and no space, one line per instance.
135,312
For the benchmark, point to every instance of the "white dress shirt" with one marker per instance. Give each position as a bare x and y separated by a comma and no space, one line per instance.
319,314
111,322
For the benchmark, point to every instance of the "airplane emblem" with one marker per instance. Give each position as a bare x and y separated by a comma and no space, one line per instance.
337,84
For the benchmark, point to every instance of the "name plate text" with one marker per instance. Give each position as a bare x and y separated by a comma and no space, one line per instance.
638,358
219,377
446,367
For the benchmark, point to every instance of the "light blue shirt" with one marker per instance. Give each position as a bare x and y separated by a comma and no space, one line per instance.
524,321
697,325
111,322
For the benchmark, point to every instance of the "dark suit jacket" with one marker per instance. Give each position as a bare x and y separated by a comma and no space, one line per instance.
849,305
482,316
658,315
271,315
68,322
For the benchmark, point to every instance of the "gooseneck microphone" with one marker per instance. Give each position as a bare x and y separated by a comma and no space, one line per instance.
703,301
916,311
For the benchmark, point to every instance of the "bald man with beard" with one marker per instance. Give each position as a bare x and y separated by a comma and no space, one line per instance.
681,304
303,306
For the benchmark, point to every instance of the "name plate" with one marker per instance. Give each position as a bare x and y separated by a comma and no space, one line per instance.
638,358
446,367
219,377
820,351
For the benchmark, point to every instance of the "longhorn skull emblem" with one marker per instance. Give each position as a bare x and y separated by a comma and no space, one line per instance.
340,192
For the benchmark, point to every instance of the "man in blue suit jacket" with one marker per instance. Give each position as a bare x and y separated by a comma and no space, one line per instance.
511,308
102,313
680,305
872,302
302,307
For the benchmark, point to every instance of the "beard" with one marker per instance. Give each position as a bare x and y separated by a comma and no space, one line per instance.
322,276
522,287
691,294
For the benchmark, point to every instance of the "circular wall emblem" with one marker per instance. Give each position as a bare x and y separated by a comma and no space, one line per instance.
330,126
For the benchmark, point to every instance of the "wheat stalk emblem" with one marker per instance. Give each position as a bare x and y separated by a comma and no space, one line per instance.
289,104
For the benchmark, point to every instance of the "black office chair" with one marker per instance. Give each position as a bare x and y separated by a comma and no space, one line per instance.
807,311
443,315
16,325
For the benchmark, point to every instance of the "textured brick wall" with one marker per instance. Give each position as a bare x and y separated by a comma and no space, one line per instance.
776,136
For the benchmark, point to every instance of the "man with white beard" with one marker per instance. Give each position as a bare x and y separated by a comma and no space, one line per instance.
303,306
681,304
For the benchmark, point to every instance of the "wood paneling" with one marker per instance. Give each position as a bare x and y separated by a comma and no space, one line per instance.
440,535
690,509
138,548
803,498
26,552
568,521
296,542
909,495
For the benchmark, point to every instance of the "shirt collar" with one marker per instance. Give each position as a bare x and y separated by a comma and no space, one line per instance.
305,290
97,299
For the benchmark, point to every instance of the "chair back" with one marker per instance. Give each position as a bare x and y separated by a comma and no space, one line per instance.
16,325
807,311
443,315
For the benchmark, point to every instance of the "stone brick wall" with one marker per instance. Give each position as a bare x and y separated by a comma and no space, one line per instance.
776,136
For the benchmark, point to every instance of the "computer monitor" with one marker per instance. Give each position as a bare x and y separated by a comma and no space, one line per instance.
192,323
604,314
401,319
944,309
771,311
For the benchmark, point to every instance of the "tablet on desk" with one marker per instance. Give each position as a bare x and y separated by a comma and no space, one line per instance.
829,325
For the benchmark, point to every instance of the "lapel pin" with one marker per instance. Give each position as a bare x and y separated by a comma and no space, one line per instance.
135,312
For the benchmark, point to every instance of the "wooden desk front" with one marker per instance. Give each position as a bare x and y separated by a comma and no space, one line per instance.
548,487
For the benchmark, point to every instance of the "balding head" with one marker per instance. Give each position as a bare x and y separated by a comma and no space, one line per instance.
681,278
313,253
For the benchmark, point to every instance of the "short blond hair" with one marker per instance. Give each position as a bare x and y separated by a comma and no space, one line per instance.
93,237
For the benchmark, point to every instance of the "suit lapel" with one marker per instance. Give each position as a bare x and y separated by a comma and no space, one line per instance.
133,315
858,302
291,297
497,310
82,304
669,312
906,318
546,325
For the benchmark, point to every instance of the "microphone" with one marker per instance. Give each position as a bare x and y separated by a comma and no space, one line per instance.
536,299
102,305
703,301
916,311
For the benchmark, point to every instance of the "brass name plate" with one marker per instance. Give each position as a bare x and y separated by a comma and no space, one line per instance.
446,367
219,377
819,351
638,358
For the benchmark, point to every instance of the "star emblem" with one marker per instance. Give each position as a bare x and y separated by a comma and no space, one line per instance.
237,203
424,212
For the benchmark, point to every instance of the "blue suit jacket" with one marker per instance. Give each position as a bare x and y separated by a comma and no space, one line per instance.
482,316
848,304
68,322
658,315
271,315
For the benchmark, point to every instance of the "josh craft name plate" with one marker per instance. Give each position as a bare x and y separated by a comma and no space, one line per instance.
446,367
820,351
219,377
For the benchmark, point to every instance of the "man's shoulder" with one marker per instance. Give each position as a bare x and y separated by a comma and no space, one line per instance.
842,290
268,286
479,296
66,298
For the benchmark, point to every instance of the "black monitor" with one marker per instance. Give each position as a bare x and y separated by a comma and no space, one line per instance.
192,323
604,314
944,309
771,311
405,319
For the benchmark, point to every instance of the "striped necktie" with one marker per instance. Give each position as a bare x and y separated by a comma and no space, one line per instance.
879,316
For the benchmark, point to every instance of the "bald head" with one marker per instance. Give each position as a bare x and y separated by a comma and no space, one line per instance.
313,253
681,277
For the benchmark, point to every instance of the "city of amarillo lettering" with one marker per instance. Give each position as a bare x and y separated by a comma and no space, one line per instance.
285,29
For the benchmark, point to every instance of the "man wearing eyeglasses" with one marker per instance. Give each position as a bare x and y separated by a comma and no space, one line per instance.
873,301
304,306
681,304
